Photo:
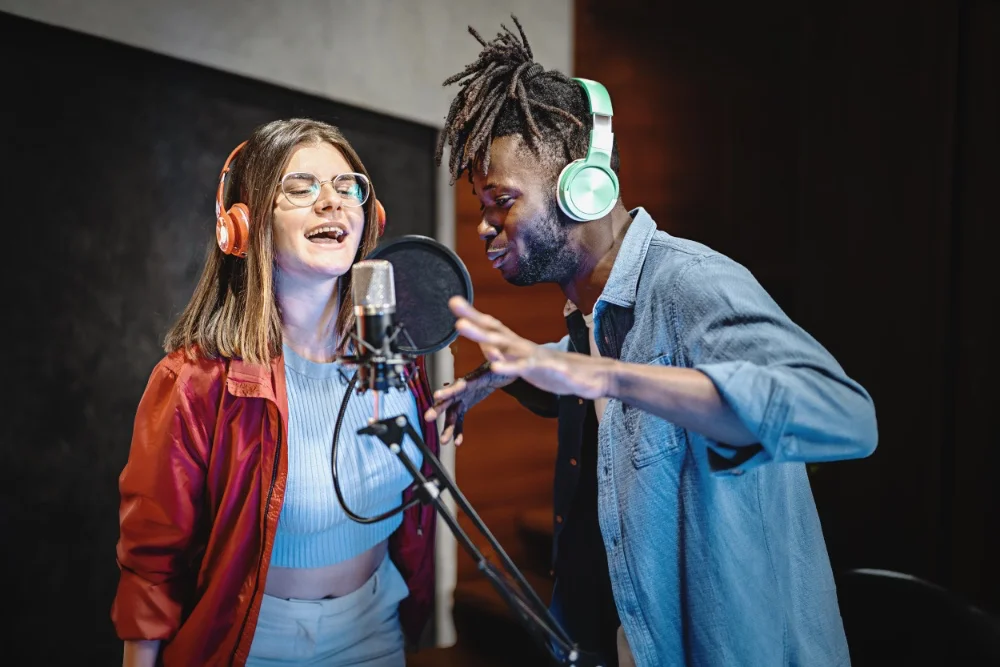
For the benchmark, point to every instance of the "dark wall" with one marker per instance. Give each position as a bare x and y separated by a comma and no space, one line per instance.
111,157
970,541
847,154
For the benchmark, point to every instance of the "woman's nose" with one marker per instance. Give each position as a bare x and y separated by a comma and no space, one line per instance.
328,197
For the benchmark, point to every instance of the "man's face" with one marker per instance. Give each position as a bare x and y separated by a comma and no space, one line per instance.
527,237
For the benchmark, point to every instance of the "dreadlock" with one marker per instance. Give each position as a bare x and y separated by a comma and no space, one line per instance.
500,94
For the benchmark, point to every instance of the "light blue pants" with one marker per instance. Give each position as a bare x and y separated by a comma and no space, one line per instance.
357,629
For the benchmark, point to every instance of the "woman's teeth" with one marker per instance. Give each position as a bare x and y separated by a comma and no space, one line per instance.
327,233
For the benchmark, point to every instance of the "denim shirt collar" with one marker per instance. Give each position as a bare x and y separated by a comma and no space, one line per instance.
623,282
624,279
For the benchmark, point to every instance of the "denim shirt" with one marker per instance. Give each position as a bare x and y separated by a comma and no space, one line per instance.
716,553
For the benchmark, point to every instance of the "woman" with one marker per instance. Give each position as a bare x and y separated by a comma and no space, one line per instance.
234,548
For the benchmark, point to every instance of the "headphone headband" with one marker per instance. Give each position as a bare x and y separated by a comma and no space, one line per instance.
232,227
601,137
222,179
597,96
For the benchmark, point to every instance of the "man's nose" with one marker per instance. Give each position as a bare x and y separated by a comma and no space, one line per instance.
486,230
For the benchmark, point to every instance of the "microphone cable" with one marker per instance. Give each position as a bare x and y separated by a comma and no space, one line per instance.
353,516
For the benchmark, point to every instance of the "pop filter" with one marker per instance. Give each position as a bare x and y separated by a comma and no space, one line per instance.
426,274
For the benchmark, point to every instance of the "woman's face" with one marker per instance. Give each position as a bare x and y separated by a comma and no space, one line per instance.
317,242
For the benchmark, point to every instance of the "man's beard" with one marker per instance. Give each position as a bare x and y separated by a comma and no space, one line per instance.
545,254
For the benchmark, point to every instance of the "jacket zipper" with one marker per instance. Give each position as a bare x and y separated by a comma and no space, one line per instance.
260,559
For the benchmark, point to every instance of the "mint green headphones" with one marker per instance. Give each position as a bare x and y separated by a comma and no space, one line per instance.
588,188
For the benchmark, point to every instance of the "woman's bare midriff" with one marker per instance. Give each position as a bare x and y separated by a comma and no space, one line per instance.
332,581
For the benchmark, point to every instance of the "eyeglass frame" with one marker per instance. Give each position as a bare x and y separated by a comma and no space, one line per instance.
320,184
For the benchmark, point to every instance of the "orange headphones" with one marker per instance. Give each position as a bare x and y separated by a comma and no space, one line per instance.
232,227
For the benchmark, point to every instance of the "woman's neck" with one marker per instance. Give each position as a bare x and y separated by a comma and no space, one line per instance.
309,318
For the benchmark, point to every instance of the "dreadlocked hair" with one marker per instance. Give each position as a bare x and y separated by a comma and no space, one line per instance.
505,92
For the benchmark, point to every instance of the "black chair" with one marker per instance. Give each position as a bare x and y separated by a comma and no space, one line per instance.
892,618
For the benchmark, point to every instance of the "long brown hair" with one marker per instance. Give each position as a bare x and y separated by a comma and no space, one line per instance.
233,311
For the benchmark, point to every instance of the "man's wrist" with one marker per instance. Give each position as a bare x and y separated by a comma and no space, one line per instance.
478,372
484,377
613,377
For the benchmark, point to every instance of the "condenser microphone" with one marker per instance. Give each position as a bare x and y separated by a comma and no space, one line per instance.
390,334
380,363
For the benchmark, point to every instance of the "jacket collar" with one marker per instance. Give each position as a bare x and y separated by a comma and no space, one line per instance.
248,380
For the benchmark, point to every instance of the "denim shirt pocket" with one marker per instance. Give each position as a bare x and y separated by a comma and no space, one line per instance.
651,437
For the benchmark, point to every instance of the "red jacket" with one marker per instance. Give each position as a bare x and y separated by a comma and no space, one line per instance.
200,499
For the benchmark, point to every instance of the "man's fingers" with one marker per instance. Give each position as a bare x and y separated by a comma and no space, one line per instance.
483,335
459,427
471,330
438,409
510,368
463,309
447,393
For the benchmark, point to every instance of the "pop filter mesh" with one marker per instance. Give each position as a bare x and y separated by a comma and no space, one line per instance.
426,274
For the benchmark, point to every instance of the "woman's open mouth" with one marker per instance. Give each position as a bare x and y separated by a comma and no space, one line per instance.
328,234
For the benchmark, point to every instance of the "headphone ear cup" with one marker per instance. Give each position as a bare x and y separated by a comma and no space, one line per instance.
586,191
240,215
232,230
224,233
380,214
562,186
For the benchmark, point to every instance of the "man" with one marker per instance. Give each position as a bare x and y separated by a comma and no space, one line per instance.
688,401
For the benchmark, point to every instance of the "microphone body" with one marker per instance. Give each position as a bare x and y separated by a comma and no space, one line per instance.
380,363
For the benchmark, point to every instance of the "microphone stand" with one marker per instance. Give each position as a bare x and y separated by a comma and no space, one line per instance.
512,586
382,367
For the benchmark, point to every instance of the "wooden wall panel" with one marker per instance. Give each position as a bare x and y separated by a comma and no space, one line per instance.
817,145
876,120
705,121
840,153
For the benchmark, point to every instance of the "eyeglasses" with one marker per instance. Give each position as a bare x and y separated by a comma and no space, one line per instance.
302,189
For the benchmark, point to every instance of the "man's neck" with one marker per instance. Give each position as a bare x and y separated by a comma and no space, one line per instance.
599,246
